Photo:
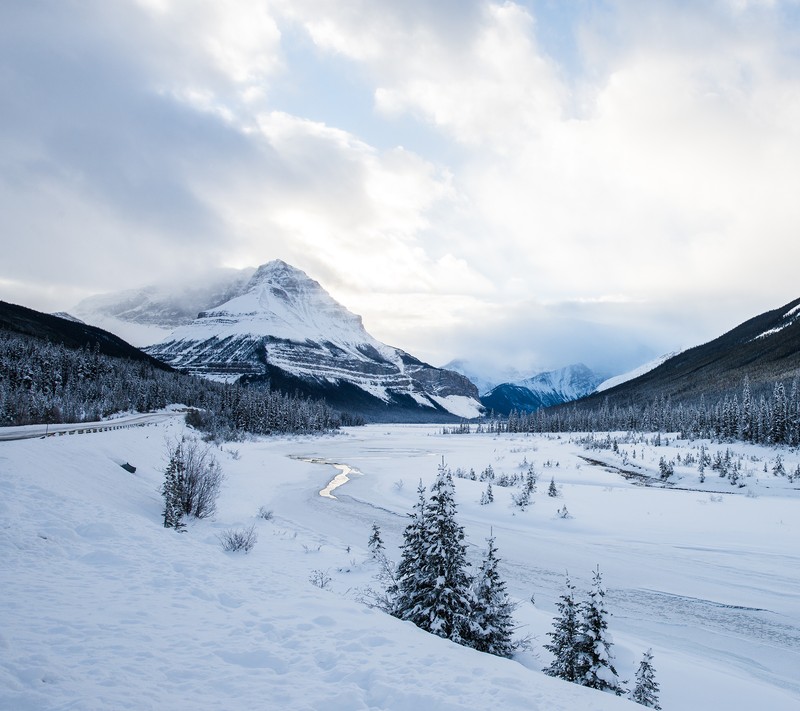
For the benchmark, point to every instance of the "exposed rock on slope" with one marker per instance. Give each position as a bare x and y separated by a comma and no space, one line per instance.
286,329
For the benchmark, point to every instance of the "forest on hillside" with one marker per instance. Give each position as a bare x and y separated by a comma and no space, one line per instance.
765,419
44,382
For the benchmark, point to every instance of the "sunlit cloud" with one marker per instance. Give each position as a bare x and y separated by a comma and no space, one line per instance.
605,182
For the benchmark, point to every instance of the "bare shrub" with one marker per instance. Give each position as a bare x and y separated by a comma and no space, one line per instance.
265,513
193,480
320,578
241,539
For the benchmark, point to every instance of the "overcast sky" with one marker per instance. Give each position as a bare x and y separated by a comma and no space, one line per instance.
516,183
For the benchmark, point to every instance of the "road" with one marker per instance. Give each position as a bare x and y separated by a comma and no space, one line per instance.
32,431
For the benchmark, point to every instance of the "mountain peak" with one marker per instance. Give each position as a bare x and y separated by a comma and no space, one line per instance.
283,327
278,271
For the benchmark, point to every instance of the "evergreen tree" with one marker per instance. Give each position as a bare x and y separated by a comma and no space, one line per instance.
445,601
487,497
406,598
552,490
492,624
564,637
595,667
746,412
375,544
646,690
778,429
172,491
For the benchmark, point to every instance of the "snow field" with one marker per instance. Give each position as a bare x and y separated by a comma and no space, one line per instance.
103,608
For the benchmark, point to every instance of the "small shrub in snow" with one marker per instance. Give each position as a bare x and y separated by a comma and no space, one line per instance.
265,513
522,499
319,578
398,485
666,469
487,497
192,482
242,539
563,513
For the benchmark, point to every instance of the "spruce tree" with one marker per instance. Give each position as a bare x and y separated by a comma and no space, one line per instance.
552,489
375,544
646,690
406,598
564,637
492,624
445,600
595,667
172,491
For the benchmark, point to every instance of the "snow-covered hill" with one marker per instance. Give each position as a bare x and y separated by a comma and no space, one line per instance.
103,608
285,328
635,373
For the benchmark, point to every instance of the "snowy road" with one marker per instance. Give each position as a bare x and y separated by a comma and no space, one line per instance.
8,434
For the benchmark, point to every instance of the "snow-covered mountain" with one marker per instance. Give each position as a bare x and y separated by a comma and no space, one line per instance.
635,373
546,389
485,376
765,349
283,327
144,316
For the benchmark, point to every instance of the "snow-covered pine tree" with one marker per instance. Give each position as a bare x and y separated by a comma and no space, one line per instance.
172,491
446,603
595,667
375,545
405,598
531,478
564,637
487,496
646,690
433,585
552,489
492,624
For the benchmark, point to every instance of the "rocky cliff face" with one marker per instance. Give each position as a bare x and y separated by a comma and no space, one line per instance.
285,328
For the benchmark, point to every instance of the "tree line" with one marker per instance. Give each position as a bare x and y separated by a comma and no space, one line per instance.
766,419
43,382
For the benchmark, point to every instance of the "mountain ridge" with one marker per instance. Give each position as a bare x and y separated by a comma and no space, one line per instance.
765,348
545,389
284,329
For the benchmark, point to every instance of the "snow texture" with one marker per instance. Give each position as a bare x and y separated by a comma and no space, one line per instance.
103,608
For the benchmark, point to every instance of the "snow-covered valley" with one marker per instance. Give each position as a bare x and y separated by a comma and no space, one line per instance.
103,608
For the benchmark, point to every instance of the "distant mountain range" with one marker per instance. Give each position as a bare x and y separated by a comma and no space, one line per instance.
542,390
277,325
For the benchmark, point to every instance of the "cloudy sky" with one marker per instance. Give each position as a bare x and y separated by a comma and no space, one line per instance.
521,183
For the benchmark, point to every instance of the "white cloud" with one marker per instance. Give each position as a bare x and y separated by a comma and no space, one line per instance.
653,173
